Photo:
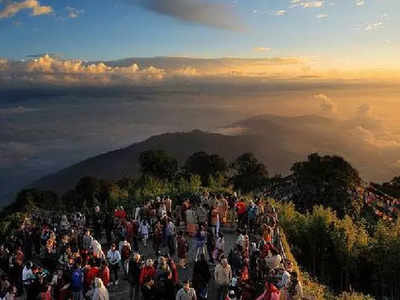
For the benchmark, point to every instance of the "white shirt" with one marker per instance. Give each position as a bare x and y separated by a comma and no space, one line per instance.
26,275
113,257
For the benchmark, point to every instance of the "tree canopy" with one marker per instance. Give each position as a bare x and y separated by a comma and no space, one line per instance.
327,180
205,165
250,174
158,163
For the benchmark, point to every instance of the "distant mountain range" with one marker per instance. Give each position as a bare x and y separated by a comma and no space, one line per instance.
275,140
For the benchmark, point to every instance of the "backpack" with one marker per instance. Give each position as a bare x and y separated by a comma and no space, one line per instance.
125,252
77,280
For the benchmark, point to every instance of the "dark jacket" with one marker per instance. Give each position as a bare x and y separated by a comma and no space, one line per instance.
134,271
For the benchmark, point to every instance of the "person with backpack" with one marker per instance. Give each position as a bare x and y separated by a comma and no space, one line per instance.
77,282
114,259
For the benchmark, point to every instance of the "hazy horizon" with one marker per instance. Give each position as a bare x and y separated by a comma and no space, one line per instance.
79,79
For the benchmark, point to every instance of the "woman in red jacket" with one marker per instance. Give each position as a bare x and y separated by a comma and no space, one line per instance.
148,271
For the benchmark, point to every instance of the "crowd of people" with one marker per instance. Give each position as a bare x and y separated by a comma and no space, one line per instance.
86,255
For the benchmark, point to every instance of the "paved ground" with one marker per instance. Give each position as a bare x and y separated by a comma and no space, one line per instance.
121,291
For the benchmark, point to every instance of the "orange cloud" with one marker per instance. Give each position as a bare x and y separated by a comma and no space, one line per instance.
12,8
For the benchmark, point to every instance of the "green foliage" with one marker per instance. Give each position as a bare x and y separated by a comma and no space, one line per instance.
29,199
88,188
342,254
158,164
250,174
10,222
329,181
206,166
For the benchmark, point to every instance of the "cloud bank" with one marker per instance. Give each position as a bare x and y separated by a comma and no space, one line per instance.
56,71
204,12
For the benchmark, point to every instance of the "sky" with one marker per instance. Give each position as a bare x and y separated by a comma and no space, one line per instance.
360,33
80,78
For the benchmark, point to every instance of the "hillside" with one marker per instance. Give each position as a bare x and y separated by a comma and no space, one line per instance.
124,162
275,140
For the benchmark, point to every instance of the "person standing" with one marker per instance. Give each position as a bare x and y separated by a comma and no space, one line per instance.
201,238
77,282
183,249
149,290
223,277
186,292
125,251
134,266
144,229
191,221
114,258
170,233
201,277
99,292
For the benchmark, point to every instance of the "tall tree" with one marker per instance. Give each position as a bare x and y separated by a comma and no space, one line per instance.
205,165
88,188
327,180
158,163
250,174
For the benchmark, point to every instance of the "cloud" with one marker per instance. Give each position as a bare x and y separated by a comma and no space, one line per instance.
204,12
307,4
326,105
321,16
74,12
374,26
262,49
50,70
364,110
360,2
12,8
280,12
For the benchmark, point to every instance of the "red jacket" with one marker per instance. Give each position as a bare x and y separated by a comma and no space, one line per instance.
105,276
146,272
241,207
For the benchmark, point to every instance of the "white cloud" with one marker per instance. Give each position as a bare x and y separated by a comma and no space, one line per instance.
12,8
360,2
327,105
374,26
280,12
321,16
307,4
74,12
262,49
52,70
